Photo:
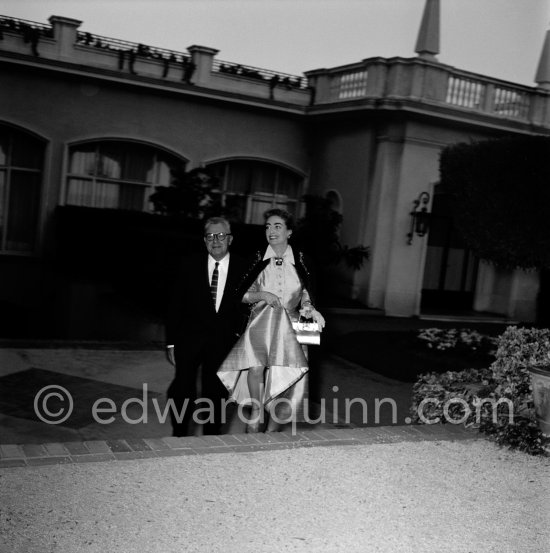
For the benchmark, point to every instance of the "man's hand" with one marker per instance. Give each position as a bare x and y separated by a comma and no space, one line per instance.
170,355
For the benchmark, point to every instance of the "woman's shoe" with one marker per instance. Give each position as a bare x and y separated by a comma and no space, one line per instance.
273,426
254,423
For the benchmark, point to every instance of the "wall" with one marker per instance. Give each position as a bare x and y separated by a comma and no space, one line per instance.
380,163
512,294
342,157
378,159
69,109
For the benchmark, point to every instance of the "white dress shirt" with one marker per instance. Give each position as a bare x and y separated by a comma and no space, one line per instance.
281,278
223,267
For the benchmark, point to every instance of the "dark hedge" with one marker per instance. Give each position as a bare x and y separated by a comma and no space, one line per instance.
502,193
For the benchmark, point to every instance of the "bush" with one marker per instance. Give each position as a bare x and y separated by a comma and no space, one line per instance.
499,399
137,253
440,390
518,349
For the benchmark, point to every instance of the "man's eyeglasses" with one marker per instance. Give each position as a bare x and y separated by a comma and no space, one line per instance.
221,236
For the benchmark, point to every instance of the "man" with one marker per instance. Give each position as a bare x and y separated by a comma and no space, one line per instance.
203,323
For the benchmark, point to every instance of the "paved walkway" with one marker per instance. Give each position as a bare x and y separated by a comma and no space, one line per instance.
347,483
121,372
131,385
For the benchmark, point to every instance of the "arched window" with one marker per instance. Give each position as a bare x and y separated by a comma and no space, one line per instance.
118,175
21,166
249,187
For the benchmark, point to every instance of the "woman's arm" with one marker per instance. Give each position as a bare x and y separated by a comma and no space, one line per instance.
254,297
309,312
255,294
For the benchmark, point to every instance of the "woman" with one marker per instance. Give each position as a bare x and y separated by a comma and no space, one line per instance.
266,368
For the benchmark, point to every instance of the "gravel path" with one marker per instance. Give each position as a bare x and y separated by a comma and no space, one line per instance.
414,496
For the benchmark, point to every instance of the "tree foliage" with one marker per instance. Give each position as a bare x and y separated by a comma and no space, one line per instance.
191,194
501,190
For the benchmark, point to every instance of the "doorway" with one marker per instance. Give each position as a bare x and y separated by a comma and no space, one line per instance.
451,268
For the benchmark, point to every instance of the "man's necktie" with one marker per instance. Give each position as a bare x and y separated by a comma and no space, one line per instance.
214,283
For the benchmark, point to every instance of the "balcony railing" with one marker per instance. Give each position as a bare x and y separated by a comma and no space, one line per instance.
465,93
255,73
505,101
97,41
429,83
153,52
22,26
30,31
349,85
424,82
198,66
510,102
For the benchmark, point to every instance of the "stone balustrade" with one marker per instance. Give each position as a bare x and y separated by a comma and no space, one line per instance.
424,82
429,82
62,41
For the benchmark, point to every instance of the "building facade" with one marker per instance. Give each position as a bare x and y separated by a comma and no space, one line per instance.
96,122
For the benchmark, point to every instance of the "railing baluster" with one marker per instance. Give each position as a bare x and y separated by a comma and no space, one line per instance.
349,85
469,94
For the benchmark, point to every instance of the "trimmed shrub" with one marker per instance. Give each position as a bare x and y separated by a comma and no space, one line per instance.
498,400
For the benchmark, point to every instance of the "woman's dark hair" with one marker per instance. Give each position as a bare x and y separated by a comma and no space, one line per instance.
283,214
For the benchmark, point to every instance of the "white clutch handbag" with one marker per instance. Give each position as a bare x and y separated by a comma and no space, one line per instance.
307,332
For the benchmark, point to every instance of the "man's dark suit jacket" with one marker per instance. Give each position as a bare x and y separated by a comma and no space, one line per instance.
201,336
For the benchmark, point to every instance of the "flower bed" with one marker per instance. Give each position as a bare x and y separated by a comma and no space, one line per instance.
451,338
401,355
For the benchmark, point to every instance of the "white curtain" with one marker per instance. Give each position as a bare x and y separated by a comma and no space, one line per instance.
163,173
136,169
107,194
3,150
82,162
80,192
111,166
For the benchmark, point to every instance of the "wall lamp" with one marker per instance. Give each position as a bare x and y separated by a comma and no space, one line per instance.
420,217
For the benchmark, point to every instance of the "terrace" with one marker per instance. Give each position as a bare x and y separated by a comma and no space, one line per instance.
374,83
426,84
63,43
